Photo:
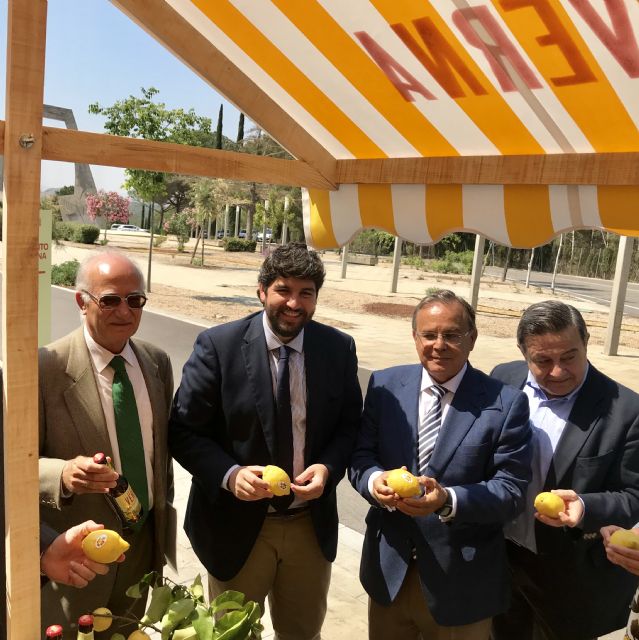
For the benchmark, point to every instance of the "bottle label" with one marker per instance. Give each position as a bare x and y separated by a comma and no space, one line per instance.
129,505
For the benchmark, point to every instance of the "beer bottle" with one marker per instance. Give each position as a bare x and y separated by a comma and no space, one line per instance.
122,496
53,632
85,627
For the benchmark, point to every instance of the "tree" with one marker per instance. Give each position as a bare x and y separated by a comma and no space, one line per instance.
218,133
69,190
240,130
110,206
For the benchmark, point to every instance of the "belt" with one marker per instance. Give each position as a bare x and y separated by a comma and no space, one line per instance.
289,513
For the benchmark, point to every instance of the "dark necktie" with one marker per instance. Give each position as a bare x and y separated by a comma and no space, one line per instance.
129,432
284,419
429,428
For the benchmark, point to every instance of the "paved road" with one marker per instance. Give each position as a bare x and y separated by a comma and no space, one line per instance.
588,289
176,337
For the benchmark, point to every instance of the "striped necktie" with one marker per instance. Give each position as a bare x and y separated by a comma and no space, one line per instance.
429,428
284,424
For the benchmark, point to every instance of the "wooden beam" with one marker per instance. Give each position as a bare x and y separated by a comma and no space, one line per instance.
167,26
136,153
26,32
563,168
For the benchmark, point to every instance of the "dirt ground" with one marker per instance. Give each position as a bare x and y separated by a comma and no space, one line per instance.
495,316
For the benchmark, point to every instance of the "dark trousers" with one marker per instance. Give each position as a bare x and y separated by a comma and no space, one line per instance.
537,612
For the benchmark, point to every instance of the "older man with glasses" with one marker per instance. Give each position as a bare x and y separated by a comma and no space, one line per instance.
434,565
102,391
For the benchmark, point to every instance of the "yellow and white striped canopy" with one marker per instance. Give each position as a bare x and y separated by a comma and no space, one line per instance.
342,83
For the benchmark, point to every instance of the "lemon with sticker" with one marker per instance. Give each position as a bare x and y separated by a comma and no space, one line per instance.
104,545
278,481
549,504
403,483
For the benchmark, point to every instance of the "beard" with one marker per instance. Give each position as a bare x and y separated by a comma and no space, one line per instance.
287,326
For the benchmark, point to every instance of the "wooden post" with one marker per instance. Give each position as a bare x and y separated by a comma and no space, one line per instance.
26,34
619,286
397,261
475,275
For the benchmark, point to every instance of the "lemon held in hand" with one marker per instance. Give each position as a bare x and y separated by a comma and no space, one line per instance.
625,538
278,481
403,483
104,545
549,504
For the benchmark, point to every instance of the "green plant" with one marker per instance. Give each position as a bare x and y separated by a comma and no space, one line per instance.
62,230
452,262
64,274
414,261
159,240
373,242
179,612
85,233
238,244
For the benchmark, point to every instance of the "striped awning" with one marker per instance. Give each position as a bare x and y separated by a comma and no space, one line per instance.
342,82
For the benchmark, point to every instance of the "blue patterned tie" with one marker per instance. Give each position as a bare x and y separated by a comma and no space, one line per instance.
429,428
284,418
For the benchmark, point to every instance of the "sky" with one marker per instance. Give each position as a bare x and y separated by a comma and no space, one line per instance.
97,54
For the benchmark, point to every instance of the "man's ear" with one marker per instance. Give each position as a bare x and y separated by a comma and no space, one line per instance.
261,294
79,300
523,350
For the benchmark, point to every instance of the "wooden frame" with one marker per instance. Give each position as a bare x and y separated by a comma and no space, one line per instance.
22,159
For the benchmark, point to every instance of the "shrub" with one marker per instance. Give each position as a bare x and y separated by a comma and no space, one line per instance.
159,240
85,233
453,263
64,274
62,230
373,242
237,244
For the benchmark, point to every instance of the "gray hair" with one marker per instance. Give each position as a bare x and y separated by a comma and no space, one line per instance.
549,316
447,297
83,276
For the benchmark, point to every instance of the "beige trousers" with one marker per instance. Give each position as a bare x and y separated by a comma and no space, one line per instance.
287,565
408,617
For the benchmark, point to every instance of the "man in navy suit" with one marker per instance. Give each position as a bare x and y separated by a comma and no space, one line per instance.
227,424
586,449
435,566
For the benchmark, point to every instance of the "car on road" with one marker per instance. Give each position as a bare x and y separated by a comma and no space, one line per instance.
131,227
115,227
269,235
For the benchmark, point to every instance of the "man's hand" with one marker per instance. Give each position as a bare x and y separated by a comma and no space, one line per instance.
383,493
572,514
311,482
432,499
64,561
622,556
246,483
82,475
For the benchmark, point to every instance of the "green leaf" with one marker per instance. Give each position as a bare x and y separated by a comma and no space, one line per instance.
187,633
228,596
177,612
231,605
203,624
196,588
136,590
160,599
234,626
254,611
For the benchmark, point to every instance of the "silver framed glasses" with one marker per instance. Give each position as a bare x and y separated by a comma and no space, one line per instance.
431,337
110,301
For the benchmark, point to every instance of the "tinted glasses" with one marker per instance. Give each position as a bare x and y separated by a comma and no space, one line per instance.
110,301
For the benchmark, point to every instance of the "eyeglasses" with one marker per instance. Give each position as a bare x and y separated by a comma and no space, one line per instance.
110,301
431,337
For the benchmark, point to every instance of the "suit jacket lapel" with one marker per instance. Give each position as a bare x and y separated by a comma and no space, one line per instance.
408,398
462,413
316,370
259,376
83,399
582,420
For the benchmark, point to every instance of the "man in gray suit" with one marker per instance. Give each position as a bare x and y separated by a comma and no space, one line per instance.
78,419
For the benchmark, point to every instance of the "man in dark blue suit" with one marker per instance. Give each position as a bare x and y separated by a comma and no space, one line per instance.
586,449
435,566
229,420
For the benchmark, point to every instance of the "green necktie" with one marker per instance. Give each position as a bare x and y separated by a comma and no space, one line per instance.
127,426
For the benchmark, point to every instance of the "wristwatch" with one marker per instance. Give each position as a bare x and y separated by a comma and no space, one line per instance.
447,508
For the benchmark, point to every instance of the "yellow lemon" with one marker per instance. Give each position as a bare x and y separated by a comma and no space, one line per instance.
278,480
102,619
104,545
138,635
625,538
549,504
403,483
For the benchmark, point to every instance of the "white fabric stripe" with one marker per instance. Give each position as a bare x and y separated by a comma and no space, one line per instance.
306,216
320,71
345,214
589,205
627,89
246,64
483,207
444,113
515,100
409,212
559,207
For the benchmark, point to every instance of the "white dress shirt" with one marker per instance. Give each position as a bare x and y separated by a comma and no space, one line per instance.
100,359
